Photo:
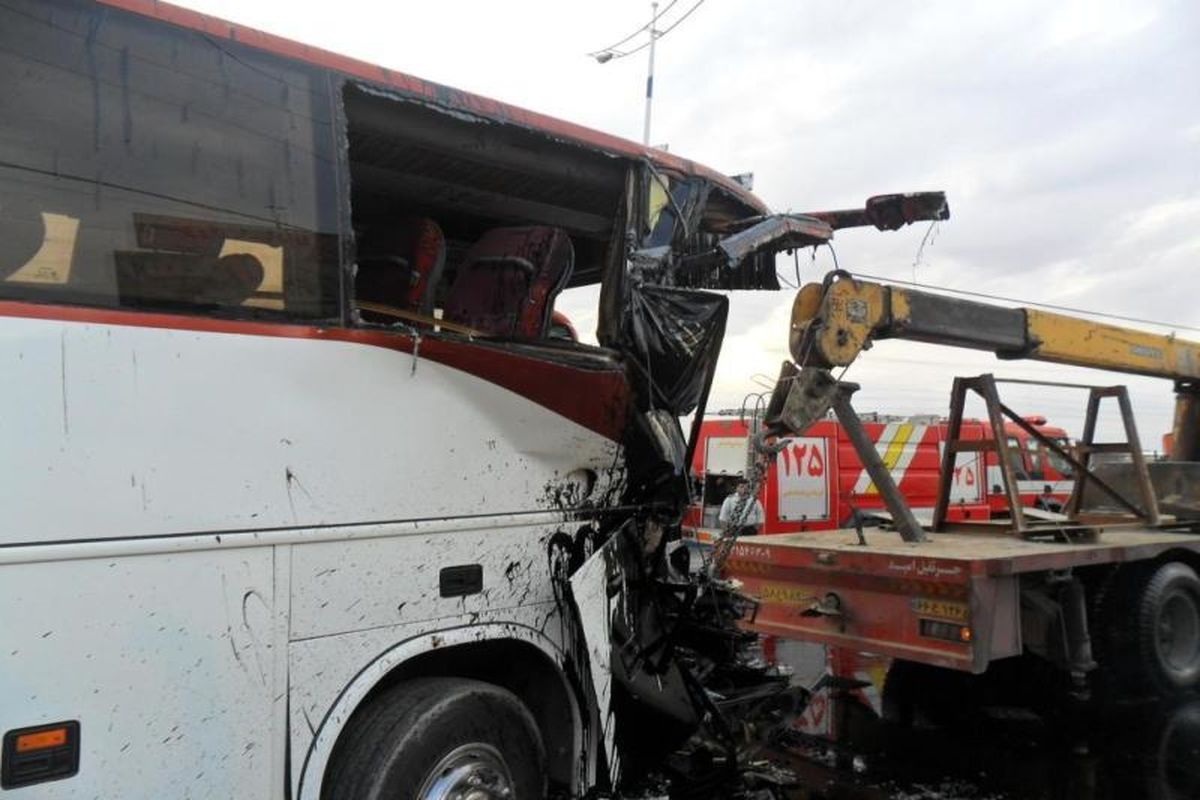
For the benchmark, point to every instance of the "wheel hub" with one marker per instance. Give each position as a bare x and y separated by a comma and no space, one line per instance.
471,772
1179,631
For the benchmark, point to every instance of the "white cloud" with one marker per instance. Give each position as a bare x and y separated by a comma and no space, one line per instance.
1096,22
1161,219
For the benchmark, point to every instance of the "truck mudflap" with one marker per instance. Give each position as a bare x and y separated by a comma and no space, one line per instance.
933,610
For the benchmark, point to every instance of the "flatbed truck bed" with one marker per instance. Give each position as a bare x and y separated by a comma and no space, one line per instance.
957,600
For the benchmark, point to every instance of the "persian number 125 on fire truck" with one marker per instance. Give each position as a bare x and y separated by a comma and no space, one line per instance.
817,481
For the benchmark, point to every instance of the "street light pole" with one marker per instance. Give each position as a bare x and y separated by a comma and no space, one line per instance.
650,72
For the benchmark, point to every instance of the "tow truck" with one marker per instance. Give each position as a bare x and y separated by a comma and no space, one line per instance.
1109,583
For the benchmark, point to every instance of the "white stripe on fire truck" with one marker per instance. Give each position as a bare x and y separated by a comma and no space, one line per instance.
881,446
895,450
908,451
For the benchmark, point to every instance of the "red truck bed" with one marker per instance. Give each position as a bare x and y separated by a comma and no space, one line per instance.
953,601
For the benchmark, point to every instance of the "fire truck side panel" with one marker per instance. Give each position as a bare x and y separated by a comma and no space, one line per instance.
817,481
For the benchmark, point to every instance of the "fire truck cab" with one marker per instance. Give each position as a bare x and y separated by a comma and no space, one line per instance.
1044,478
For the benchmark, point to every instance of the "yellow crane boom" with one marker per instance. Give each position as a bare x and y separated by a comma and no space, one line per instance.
835,320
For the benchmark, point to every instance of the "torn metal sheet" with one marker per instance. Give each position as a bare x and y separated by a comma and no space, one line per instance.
595,607
779,232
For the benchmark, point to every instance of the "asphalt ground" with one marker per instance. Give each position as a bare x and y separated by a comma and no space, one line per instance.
1135,751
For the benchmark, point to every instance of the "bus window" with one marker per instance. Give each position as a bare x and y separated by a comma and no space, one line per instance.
162,170
519,217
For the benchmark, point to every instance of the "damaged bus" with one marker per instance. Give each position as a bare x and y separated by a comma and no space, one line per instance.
305,492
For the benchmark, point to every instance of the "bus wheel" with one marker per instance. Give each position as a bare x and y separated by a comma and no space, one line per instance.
437,739
1168,620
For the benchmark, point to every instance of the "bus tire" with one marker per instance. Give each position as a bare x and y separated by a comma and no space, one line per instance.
1168,627
428,737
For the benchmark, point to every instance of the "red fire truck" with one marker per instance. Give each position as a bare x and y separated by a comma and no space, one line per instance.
817,481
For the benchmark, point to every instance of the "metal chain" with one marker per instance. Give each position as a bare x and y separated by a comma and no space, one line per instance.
756,470
729,534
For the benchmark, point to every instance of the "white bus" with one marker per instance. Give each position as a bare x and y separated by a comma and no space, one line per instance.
291,446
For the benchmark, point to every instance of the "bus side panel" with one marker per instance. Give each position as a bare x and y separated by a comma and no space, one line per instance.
166,662
351,585
278,431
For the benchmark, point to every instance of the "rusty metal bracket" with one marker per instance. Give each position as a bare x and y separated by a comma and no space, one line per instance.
801,398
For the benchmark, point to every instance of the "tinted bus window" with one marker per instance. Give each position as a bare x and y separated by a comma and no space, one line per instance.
146,166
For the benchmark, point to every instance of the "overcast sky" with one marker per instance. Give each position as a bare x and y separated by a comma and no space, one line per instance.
1066,134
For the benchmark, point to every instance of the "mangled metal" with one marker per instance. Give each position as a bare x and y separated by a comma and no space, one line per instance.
686,697
782,231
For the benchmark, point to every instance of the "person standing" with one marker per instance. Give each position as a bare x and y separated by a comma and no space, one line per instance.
742,511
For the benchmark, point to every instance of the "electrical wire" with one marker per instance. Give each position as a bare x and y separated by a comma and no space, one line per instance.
643,29
655,36
1052,306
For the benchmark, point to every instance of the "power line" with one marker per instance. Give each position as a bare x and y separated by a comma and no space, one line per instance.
643,29
655,35
664,32
1068,309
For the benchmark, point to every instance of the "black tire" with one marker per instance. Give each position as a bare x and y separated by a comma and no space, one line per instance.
1168,628
400,741
921,695
1175,776
1112,624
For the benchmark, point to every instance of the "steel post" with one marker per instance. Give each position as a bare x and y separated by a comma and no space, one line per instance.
910,530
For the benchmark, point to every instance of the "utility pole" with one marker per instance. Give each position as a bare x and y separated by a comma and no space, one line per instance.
650,72
620,50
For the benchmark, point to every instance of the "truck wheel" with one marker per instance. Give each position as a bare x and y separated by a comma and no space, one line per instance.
1173,773
916,694
437,739
1168,620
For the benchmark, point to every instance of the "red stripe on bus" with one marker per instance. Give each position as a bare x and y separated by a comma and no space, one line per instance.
597,399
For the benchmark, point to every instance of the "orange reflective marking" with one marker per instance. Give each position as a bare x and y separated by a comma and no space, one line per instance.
42,740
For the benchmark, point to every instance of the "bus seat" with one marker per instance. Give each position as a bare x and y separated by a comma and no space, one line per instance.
428,260
507,283
561,328
401,265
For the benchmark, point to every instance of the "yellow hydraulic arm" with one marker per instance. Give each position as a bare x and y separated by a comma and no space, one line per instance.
833,321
